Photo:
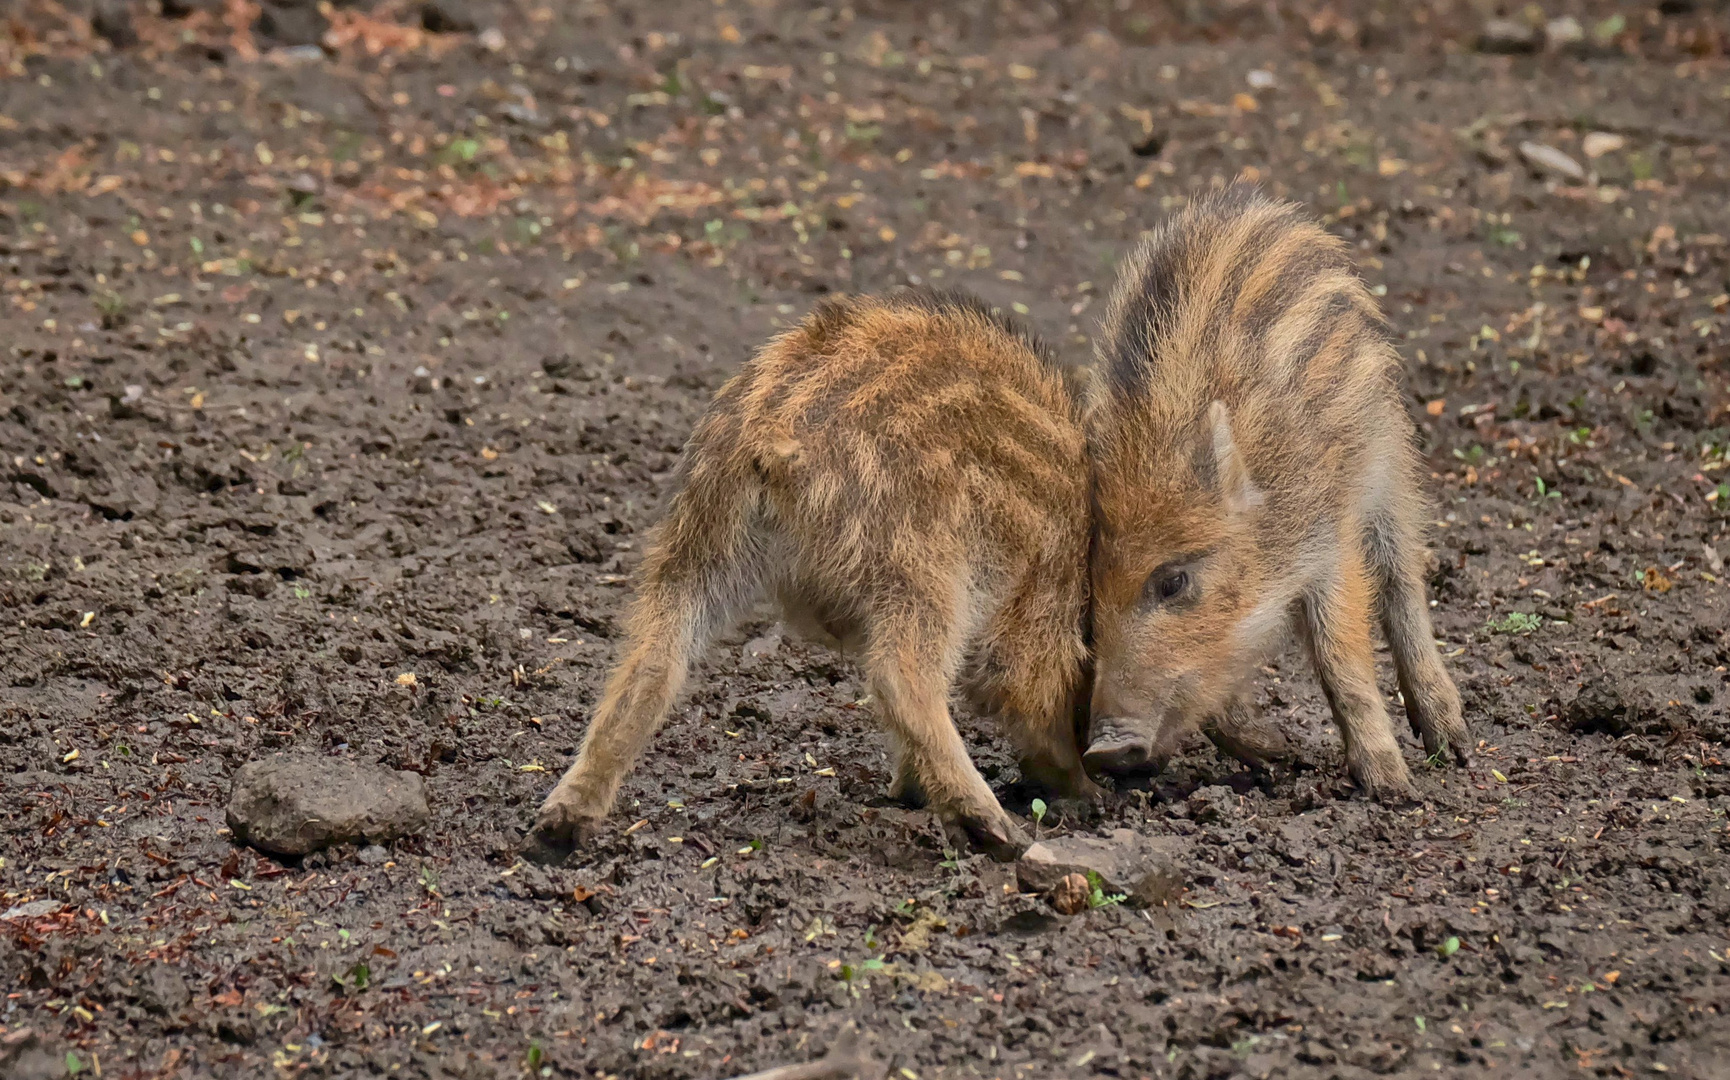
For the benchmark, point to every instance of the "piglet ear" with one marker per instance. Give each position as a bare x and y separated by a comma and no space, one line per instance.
1230,476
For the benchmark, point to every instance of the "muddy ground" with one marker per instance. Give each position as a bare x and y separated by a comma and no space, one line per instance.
329,367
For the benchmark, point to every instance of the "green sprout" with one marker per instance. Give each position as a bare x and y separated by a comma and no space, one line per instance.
1096,894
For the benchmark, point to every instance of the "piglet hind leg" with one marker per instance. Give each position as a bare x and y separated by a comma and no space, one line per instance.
1335,620
1432,700
663,634
910,662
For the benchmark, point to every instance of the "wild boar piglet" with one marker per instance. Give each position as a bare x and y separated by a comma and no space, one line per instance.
1254,468
907,477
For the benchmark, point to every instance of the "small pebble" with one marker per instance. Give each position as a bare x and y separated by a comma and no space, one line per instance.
1598,143
1507,36
1564,33
1551,160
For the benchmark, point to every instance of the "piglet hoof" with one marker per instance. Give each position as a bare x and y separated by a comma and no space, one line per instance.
1392,791
544,849
1447,740
1397,797
996,834
1085,794
1456,750
1383,777
1117,752
557,832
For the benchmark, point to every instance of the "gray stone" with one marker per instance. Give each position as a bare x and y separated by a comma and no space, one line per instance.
291,24
766,645
1507,36
1564,33
161,990
1600,707
34,909
1551,160
293,805
1146,869
23,1057
1213,804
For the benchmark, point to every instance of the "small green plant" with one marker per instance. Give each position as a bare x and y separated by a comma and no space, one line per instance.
1096,894
1038,809
461,150
1423,1026
1545,491
354,980
533,1058
113,308
1516,623
1448,948
73,1065
429,880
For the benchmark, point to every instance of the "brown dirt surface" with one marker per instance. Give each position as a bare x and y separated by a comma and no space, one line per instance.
329,366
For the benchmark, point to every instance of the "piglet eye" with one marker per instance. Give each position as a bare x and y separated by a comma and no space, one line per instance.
1165,585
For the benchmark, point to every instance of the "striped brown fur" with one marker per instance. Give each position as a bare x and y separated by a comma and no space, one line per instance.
907,476
1254,468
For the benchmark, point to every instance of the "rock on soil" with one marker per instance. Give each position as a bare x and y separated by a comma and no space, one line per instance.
1564,33
1595,145
291,22
1548,159
1507,36
1599,707
296,805
1143,868
23,1057
160,990
33,910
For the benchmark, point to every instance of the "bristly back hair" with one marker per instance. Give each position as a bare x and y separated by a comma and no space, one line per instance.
965,304
1217,276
